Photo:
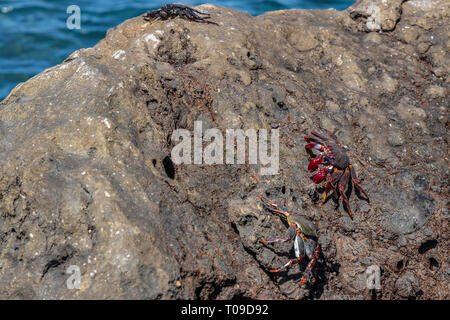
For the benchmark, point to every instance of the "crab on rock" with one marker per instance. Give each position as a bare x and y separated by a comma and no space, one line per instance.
302,231
337,164
168,11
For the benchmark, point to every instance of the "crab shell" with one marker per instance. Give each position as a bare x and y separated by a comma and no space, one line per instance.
304,225
336,155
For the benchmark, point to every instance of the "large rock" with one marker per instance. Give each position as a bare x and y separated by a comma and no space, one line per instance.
87,178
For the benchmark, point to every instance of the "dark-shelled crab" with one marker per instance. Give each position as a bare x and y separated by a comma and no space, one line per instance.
337,164
168,11
302,231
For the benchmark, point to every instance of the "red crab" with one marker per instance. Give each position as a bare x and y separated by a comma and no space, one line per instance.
337,164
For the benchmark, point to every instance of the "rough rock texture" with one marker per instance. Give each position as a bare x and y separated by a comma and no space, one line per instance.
86,176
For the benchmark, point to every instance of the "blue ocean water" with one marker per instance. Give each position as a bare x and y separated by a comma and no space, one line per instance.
34,35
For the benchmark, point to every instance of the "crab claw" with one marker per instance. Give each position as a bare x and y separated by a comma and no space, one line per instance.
314,163
319,176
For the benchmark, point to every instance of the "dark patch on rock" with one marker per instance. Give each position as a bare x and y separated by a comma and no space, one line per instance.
413,210
169,167
427,245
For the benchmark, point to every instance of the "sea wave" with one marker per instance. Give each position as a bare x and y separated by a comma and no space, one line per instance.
35,36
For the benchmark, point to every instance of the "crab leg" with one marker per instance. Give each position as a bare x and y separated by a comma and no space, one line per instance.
310,265
330,179
315,133
199,12
287,265
355,181
311,139
277,240
314,163
334,177
334,138
317,146
206,21
343,182
274,207
191,14
314,146
290,234
186,14
321,174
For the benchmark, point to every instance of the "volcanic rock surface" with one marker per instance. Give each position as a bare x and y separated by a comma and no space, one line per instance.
87,178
